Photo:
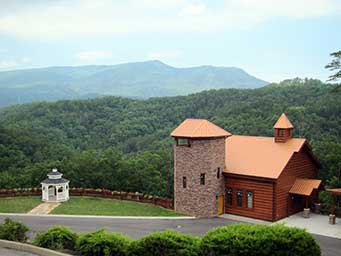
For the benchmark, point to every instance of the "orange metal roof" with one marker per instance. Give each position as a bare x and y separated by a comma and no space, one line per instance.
304,186
199,128
259,156
334,191
283,122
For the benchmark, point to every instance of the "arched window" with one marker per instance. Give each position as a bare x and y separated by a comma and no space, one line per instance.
229,196
239,198
60,189
249,199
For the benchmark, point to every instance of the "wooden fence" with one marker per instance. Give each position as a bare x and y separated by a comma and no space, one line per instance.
103,193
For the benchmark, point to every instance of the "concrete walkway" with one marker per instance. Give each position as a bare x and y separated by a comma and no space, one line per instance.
316,224
44,208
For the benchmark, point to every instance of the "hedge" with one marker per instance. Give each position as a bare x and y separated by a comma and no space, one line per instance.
247,239
100,243
57,238
167,243
233,240
13,231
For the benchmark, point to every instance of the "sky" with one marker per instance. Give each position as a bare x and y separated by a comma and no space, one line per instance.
270,39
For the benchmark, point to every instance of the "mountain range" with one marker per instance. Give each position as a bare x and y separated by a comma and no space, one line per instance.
134,80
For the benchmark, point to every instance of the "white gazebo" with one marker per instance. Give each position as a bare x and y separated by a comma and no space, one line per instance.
55,188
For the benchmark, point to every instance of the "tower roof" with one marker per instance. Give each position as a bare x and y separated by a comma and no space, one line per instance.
199,128
283,123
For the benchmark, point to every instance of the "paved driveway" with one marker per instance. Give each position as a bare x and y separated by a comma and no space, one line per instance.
7,252
137,228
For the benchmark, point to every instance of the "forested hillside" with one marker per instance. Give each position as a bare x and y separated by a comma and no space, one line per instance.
134,80
124,144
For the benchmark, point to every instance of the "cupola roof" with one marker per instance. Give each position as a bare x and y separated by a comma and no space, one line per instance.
283,123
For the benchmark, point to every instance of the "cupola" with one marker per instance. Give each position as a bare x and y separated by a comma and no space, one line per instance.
283,129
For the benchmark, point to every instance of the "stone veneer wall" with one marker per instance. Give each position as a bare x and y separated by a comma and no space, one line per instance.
203,156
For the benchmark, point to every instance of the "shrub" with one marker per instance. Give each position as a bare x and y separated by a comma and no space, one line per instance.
56,238
100,243
246,239
167,243
13,230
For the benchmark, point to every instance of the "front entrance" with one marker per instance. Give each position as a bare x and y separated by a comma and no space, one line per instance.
220,204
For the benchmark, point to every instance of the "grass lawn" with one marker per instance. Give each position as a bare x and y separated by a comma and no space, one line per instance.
110,207
18,204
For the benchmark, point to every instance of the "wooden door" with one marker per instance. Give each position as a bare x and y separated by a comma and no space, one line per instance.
220,204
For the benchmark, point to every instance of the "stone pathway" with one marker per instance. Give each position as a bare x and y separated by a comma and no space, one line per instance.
44,208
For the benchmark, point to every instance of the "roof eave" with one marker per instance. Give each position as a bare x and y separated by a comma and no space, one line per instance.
226,173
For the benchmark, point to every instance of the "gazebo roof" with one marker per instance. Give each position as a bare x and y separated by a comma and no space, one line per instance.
55,181
54,173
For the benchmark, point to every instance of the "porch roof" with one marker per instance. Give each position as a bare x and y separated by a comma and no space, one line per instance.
304,186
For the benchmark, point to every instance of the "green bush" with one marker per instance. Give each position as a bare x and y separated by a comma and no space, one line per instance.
57,238
167,243
13,230
247,239
100,243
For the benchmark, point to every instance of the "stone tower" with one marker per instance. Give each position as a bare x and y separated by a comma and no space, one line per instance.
199,161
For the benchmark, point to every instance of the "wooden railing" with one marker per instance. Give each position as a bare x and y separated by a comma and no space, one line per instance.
103,193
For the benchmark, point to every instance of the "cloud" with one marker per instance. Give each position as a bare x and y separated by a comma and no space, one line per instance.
94,55
8,64
87,18
5,64
25,60
164,55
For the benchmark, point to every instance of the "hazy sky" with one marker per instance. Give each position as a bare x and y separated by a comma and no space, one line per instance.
271,39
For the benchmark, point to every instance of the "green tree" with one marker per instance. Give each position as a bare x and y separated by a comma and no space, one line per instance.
335,65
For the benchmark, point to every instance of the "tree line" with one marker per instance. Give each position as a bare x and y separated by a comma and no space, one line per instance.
124,144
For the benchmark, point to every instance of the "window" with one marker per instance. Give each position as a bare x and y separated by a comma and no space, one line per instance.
280,132
229,196
183,142
218,173
184,182
202,179
239,198
249,199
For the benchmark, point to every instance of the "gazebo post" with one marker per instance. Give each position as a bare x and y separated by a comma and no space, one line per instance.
57,188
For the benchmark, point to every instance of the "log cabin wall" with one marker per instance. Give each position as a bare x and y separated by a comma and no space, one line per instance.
263,192
300,165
